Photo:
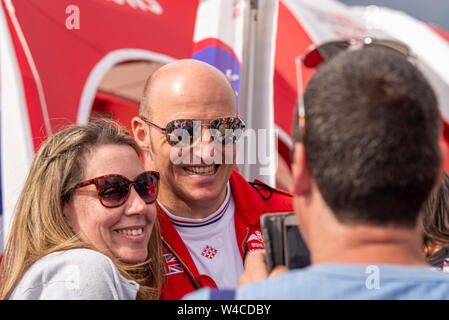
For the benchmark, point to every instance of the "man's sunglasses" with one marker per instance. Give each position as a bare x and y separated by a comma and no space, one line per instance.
182,133
326,51
113,189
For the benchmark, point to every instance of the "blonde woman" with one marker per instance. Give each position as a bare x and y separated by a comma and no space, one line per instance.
85,225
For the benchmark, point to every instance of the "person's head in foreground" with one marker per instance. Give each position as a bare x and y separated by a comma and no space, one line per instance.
78,195
368,158
195,161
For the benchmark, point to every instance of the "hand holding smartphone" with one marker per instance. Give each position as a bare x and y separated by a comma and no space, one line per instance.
284,244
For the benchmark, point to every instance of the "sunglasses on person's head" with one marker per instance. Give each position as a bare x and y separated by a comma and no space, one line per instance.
114,189
183,133
329,50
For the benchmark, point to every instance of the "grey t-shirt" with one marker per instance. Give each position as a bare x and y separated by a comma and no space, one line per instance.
76,274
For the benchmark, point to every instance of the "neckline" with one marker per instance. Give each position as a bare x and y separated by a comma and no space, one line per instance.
195,223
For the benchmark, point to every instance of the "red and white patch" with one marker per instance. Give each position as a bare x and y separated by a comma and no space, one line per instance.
209,252
255,241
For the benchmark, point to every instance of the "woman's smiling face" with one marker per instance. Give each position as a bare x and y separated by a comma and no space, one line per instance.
122,232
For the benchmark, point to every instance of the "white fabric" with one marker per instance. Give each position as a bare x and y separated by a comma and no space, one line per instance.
245,52
212,243
17,148
76,274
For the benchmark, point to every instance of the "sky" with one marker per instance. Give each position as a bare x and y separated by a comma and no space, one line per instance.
433,11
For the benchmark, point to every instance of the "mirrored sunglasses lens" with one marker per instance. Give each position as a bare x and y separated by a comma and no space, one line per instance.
227,130
324,52
330,50
180,133
394,45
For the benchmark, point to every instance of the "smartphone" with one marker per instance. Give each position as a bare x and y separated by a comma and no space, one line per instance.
296,253
284,244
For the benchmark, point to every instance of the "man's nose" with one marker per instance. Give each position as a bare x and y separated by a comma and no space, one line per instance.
203,147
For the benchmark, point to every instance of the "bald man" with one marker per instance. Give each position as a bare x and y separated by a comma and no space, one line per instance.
209,214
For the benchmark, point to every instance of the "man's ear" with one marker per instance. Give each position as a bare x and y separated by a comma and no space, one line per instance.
302,180
141,133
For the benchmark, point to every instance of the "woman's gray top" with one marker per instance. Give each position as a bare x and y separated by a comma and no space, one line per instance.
76,274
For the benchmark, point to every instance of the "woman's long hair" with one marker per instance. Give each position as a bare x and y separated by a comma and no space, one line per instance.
436,216
39,226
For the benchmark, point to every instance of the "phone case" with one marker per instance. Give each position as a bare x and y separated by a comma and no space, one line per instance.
271,224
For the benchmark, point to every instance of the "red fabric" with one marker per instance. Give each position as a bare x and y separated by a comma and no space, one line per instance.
443,33
119,109
285,79
64,57
249,206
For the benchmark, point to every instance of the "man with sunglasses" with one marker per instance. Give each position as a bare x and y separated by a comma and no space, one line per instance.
366,157
188,128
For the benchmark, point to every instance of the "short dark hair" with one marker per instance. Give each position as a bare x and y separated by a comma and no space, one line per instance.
372,130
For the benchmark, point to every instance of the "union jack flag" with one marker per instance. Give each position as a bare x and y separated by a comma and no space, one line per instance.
172,265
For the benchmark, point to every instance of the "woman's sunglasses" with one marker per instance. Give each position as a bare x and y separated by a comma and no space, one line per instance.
114,189
182,133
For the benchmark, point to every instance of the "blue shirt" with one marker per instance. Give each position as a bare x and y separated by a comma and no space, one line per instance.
342,281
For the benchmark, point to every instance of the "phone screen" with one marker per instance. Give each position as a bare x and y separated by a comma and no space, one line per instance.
284,244
297,251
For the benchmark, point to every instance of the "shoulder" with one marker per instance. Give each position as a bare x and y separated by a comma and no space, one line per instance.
260,196
76,260
211,294
347,282
74,274
341,281
279,287
275,199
